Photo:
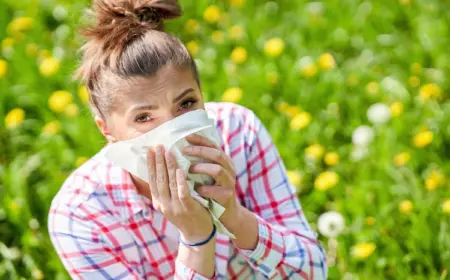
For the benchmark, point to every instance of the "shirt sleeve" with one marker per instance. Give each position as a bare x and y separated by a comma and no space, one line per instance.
287,247
81,249
86,255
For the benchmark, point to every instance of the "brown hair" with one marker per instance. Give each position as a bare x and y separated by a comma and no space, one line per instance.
128,40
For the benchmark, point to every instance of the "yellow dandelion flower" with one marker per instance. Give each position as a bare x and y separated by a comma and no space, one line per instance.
236,32
423,139
274,47
331,158
80,161
402,158
373,88
272,78
370,221
3,68
59,100
83,94
193,47
237,3
363,250
434,180
315,151
232,95
14,117
292,111
218,37
7,43
326,180
430,90
212,14
414,81
31,50
300,121
192,26
396,109
20,24
405,206
239,55
49,66
51,128
327,62
416,68
295,178
71,110
309,70
446,206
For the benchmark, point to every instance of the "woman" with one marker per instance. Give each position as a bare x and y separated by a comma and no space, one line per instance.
108,224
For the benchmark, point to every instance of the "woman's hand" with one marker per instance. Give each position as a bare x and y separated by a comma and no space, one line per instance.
237,219
171,196
221,169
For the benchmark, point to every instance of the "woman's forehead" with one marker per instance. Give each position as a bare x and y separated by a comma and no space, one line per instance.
166,84
167,79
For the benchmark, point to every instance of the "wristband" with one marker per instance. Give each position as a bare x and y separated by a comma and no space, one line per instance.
213,233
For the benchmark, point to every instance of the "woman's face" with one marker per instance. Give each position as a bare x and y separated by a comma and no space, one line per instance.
142,104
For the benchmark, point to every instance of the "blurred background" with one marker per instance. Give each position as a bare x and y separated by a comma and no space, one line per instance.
354,93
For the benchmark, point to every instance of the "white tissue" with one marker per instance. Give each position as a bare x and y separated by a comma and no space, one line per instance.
131,155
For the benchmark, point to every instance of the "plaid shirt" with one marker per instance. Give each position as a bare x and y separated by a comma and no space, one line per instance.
103,229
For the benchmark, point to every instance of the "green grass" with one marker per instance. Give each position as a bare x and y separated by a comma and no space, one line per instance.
370,41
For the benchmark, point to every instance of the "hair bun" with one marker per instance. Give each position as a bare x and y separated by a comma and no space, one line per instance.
118,22
149,13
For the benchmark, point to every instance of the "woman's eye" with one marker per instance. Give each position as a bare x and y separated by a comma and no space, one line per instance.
187,104
143,118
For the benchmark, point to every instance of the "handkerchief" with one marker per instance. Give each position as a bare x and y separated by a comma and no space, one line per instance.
131,154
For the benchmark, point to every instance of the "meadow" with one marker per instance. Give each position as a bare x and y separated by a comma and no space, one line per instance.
354,93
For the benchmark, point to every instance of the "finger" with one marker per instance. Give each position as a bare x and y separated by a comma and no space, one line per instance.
199,140
171,172
220,175
210,154
216,193
161,174
152,173
184,194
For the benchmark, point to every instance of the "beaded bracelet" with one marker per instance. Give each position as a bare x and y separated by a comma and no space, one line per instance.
202,242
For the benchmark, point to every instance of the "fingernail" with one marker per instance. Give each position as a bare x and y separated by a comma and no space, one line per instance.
191,137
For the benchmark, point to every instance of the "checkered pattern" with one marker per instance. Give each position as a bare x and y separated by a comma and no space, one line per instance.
103,229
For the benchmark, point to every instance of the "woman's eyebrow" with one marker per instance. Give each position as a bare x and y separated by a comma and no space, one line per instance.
183,94
142,107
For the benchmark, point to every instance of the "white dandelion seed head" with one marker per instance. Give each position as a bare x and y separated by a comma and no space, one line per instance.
331,224
362,135
378,113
